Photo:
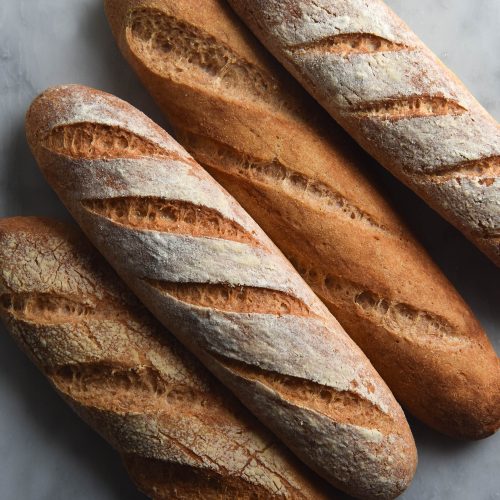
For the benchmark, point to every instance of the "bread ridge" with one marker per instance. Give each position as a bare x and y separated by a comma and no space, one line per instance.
396,98
129,378
302,180
293,350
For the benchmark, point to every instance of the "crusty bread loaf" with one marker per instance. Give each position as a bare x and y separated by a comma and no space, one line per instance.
211,276
180,434
257,134
396,98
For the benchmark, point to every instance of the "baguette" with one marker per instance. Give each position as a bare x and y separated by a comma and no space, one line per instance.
213,278
304,185
396,98
179,433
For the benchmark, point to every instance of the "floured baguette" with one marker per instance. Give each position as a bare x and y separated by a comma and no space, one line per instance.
211,275
396,98
243,120
180,434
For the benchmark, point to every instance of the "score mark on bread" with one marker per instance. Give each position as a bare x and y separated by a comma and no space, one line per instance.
402,320
157,34
487,169
96,140
349,43
46,308
172,216
123,388
408,107
215,155
344,407
241,299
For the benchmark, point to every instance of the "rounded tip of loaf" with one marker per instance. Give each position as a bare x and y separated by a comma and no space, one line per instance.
76,105
390,477
42,108
483,419
472,411
403,472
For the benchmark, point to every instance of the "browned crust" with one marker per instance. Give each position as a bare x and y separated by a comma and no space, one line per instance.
128,377
322,351
247,145
448,127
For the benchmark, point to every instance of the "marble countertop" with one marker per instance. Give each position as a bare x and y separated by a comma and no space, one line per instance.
46,452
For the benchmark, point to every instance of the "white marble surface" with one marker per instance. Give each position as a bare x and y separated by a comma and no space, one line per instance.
45,451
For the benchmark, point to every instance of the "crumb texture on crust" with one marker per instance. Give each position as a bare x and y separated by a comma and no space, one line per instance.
402,320
94,140
161,36
487,170
408,107
46,308
126,389
241,299
349,43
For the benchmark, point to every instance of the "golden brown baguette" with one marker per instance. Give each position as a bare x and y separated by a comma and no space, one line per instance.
212,276
256,133
396,98
180,434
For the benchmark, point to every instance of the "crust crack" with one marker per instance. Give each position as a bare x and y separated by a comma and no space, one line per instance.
236,299
171,216
346,44
399,108
218,156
